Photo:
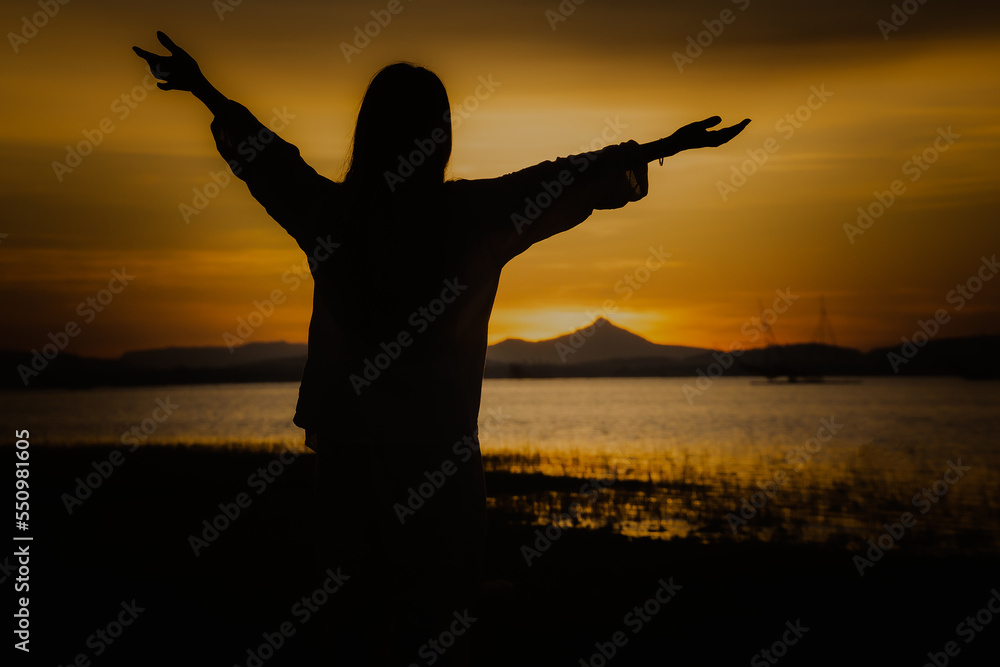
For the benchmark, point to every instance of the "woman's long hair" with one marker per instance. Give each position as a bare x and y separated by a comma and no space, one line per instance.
402,140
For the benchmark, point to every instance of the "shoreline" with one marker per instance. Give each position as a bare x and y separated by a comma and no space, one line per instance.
130,540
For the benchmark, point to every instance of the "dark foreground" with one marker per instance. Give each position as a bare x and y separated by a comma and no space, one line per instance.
117,581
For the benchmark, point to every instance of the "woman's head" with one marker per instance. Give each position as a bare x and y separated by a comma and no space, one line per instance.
403,135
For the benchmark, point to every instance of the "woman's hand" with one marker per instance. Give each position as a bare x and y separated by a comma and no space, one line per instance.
695,135
179,70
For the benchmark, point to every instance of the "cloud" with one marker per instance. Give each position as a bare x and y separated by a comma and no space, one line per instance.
606,59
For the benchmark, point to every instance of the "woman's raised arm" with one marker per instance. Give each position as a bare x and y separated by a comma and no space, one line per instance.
272,168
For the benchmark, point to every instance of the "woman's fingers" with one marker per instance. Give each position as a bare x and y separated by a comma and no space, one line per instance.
727,133
150,58
177,60
154,61
736,129
169,43
165,41
739,127
710,122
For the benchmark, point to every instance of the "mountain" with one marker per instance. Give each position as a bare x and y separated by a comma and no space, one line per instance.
213,357
599,350
253,362
601,341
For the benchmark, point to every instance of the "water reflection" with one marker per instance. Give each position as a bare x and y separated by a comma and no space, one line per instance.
708,498
634,456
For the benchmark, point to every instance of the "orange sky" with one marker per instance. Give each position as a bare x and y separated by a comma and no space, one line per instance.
608,65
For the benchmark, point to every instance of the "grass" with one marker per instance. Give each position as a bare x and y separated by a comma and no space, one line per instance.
130,540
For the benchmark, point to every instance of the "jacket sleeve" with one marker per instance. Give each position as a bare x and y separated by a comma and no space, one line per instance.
532,204
277,176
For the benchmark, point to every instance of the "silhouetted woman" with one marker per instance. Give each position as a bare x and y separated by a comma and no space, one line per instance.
406,267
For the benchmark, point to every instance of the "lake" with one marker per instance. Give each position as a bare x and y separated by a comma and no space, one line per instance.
818,459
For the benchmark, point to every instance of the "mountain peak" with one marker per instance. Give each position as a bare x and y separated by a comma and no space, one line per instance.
601,340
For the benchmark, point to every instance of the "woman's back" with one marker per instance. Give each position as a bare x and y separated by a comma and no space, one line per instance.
400,314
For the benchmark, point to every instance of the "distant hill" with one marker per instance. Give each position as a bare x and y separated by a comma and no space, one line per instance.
601,341
599,350
253,362
213,357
